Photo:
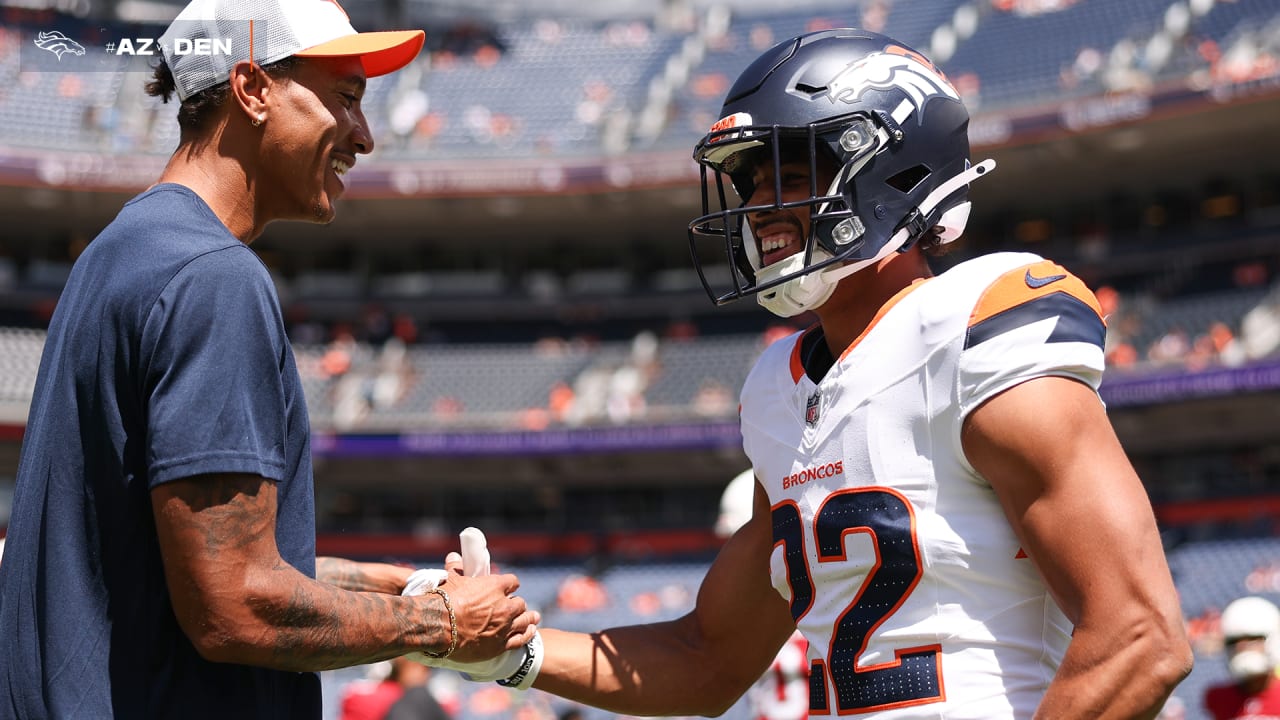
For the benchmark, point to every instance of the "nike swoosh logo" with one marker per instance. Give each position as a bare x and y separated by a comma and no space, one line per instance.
1034,282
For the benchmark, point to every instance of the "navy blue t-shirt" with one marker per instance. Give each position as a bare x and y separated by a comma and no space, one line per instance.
166,358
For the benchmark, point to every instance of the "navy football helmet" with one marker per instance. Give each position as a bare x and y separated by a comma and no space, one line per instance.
882,115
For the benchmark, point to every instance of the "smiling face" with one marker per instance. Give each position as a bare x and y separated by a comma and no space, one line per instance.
313,132
780,233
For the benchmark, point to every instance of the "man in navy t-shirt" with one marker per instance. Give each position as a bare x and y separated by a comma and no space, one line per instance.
161,549
166,359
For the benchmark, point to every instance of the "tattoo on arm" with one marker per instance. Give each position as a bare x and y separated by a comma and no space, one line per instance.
361,577
229,510
345,574
323,626
219,532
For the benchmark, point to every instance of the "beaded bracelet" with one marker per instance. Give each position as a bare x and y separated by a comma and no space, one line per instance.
453,627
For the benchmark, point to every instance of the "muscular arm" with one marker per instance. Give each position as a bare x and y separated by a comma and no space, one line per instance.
363,577
698,664
239,601
1082,515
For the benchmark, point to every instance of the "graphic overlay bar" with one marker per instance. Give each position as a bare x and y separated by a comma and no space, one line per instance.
70,46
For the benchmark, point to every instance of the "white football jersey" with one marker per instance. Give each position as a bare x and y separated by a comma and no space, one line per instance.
899,564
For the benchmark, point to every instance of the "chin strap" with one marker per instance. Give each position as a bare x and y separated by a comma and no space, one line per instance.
797,294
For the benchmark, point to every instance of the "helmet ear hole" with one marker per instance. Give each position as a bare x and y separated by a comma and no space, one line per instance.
909,179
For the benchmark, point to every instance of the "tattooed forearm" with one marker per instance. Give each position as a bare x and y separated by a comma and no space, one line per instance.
364,577
320,626
239,601
343,573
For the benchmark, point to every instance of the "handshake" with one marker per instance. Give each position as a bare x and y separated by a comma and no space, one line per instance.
513,668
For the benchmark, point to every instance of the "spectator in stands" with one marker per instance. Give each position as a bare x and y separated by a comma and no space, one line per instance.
1264,578
447,407
161,553
581,593
761,37
1204,631
1225,348
941,505
1170,348
336,360
778,331
1260,328
874,15
1251,637
560,401
1121,354
396,689
713,399
384,683
1108,300
375,326
405,328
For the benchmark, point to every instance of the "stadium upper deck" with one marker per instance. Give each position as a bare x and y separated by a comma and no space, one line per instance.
559,85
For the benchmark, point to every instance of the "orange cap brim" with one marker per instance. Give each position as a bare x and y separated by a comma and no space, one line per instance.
379,52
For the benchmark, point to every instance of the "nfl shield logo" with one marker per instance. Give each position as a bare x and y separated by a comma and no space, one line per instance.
811,410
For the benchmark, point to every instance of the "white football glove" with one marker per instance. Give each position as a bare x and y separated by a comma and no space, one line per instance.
423,580
513,668
475,552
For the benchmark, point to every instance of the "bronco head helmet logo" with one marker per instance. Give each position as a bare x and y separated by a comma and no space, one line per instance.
896,67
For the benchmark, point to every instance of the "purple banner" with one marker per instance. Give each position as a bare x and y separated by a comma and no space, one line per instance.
709,436
1120,392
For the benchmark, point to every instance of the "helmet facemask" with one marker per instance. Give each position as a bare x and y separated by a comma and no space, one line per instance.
836,233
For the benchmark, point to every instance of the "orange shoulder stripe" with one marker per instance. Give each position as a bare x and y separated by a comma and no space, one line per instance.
1027,283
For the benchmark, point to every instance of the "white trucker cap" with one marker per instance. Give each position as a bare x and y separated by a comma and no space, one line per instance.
209,37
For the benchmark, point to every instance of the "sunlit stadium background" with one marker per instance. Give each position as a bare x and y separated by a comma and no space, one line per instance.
503,328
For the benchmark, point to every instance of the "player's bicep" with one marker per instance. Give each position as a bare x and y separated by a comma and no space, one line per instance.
214,532
1071,495
737,590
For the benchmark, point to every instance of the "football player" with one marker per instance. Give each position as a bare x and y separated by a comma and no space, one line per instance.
1251,638
941,505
